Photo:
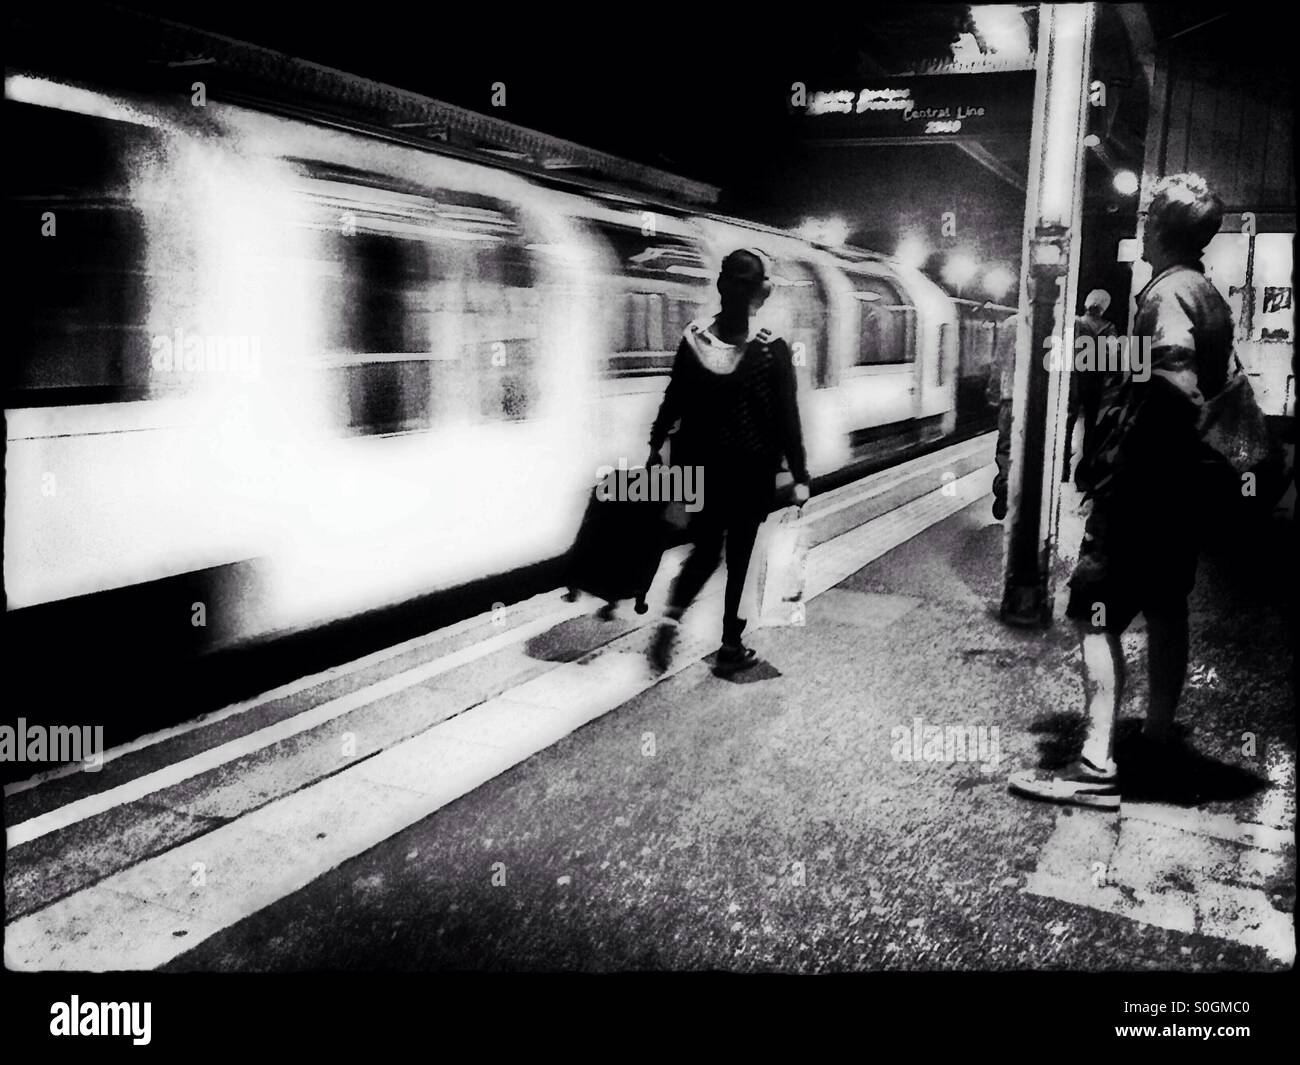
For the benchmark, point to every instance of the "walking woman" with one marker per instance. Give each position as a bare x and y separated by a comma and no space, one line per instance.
733,395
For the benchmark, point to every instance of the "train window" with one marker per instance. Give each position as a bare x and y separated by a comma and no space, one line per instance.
79,300
382,313
435,309
381,296
388,397
493,233
502,308
885,323
409,263
656,257
662,285
348,179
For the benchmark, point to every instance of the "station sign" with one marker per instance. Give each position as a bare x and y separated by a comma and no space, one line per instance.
936,107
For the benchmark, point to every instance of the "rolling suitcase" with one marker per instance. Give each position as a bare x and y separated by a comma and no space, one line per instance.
617,551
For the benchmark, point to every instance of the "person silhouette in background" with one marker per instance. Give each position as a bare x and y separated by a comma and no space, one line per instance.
1090,389
733,393
998,394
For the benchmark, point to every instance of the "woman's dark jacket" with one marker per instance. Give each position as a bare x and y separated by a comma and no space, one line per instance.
737,425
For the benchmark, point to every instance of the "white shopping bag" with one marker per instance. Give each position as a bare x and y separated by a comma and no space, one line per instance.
782,569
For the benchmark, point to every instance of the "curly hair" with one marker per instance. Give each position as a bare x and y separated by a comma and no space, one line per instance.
1185,213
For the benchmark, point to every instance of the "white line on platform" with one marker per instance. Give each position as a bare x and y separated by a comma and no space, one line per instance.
1179,869
98,803
887,480
837,559
293,687
148,914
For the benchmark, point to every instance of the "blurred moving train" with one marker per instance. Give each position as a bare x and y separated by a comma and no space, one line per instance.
288,372
333,372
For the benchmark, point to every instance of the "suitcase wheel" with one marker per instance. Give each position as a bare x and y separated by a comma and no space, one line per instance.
641,606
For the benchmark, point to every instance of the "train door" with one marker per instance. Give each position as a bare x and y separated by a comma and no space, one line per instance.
799,311
798,304
79,351
879,385
936,345
427,354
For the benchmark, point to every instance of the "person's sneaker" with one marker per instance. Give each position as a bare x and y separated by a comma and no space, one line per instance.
1081,783
661,647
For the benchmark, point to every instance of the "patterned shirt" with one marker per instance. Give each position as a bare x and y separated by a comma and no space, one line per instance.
747,416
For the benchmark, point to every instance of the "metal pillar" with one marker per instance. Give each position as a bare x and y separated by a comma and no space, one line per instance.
1049,283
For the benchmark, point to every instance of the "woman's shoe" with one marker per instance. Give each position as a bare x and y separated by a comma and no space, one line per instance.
734,655
731,659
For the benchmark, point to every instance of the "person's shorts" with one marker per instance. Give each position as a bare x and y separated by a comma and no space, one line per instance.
1131,564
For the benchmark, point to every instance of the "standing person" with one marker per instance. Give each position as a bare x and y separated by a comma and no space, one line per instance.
1089,390
998,394
733,389
1140,539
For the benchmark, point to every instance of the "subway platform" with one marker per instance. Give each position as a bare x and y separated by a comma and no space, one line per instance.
523,793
